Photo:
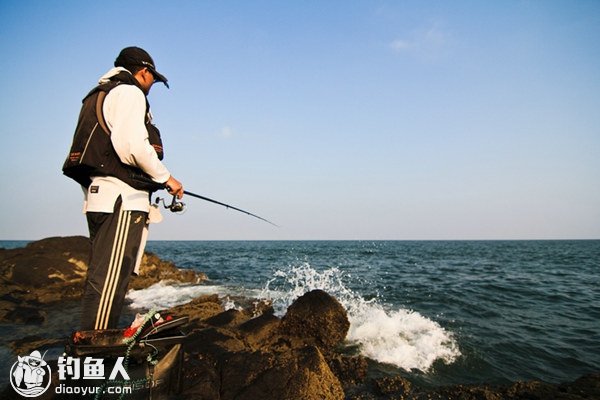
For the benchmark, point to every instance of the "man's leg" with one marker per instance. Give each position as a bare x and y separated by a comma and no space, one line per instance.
115,241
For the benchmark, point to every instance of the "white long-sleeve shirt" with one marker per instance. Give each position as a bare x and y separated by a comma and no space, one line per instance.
125,112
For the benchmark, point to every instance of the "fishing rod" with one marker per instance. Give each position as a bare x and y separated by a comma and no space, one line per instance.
179,206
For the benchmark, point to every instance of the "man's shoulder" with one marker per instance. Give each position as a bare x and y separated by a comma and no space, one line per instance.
126,93
126,89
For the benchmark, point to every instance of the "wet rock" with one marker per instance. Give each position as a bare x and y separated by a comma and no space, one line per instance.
588,386
200,377
231,318
27,344
350,370
244,374
396,385
531,390
154,270
22,314
299,374
239,357
259,332
199,309
319,316
215,341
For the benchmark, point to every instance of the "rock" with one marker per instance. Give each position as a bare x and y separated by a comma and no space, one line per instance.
396,385
530,390
319,316
235,356
22,314
587,387
53,270
294,375
27,344
350,370
43,272
469,393
229,318
199,309
260,331
200,377
154,270
40,270
217,342
299,374
77,246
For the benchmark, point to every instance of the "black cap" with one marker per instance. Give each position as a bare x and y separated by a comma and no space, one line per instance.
135,56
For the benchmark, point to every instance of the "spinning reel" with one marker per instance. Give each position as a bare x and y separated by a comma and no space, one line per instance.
177,207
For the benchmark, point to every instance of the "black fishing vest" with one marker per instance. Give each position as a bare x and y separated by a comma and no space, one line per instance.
92,152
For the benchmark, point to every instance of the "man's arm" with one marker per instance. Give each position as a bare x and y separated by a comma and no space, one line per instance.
125,113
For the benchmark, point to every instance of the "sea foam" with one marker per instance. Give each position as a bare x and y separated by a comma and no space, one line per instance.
163,295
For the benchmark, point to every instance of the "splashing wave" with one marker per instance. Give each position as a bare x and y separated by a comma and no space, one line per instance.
400,337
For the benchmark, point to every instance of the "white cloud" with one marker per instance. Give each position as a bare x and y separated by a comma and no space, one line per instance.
400,45
225,133
429,43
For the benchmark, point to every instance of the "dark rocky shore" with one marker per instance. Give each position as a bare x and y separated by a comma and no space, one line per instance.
247,354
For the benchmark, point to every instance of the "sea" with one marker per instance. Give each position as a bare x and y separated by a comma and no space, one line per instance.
436,312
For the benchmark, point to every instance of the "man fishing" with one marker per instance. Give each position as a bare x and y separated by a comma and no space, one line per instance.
116,156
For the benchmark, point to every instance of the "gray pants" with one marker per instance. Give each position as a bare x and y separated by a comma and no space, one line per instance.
116,239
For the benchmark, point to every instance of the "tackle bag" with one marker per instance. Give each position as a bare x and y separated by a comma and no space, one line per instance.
152,360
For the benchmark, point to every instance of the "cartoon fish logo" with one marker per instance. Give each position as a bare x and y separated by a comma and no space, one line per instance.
30,375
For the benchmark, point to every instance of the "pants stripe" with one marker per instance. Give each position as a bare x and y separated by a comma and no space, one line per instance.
114,269
116,279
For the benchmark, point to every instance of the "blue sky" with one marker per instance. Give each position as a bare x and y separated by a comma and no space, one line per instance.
336,120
